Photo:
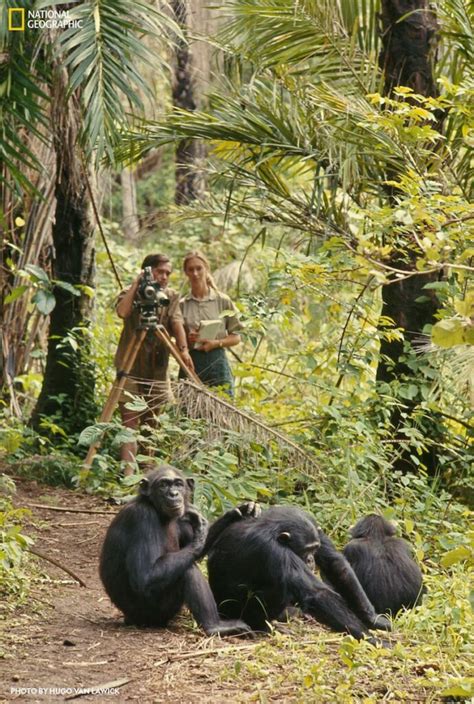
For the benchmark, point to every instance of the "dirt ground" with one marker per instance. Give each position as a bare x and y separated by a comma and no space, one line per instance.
67,637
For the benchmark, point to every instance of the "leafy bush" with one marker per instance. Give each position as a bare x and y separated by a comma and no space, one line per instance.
13,543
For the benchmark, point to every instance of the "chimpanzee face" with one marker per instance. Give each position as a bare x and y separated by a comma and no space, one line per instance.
302,539
168,490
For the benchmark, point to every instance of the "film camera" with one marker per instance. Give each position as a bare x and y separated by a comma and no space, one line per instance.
150,297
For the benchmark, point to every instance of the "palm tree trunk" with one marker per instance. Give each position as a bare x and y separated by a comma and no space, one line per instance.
408,40
130,222
68,383
189,183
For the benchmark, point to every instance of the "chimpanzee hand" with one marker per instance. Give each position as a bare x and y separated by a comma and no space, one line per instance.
382,623
249,510
199,525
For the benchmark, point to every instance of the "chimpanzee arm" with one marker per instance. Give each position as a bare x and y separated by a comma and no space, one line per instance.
185,529
336,569
149,564
247,510
319,600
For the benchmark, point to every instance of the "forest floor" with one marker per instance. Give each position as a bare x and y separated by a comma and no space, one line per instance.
66,637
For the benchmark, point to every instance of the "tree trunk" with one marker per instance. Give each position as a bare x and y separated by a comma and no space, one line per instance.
130,224
22,245
408,38
189,152
67,393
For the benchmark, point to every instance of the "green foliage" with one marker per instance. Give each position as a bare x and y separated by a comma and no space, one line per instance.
13,543
450,333
23,101
43,287
103,53
66,414
307,163
47,457
302,152
101,57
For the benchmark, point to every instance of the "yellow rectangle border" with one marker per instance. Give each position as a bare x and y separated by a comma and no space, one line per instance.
21,12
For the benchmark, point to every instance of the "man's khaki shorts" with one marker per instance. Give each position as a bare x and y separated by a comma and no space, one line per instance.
156,393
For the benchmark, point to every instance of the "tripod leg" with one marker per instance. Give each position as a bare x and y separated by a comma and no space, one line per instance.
163,336
114,395
128,361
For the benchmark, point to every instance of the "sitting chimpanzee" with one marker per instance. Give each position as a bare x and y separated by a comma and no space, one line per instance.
258,568
383,564
147,561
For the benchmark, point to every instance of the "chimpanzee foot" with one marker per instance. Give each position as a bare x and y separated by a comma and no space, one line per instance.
288,613
382,623
229,628
380,642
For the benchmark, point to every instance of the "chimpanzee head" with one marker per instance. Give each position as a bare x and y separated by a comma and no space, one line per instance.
298,532
168,490
373,526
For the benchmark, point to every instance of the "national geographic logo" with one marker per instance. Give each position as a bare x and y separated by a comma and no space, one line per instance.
16,19
19,19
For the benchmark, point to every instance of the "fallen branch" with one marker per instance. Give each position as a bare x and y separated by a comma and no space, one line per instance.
76,663
175,656
71,510
58,564
77,523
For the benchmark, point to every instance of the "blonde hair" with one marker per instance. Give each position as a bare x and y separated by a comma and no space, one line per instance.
196,254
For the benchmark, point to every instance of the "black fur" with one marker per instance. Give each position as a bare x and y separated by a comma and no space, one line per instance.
147,564
384,565
258,568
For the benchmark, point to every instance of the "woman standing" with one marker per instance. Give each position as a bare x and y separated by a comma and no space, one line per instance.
206,303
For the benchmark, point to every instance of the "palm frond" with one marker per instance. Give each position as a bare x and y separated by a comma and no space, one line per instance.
275,131
360,18
320,41
23,102
101,59
223,416
301,148
457,31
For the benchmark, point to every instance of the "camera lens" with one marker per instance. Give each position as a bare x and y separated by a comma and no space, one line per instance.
149,292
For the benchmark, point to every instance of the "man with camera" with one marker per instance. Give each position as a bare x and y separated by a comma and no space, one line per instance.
146,303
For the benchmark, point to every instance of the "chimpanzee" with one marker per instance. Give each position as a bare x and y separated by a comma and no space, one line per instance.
383,564
147,561
258,568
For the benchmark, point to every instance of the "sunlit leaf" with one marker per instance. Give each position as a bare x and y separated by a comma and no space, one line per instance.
459,554
44,301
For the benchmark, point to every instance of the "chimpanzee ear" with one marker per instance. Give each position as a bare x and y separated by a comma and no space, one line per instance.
284,537
190,482
144,487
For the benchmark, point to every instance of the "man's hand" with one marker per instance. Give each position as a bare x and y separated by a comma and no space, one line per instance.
187,359
125,305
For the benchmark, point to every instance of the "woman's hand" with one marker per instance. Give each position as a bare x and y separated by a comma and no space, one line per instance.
193,336
208,345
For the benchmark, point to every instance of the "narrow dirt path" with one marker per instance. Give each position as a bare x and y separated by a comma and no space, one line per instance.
66,637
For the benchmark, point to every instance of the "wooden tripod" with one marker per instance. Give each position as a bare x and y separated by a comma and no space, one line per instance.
129,358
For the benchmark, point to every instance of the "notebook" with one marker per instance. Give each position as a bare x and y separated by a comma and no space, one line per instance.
209,329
